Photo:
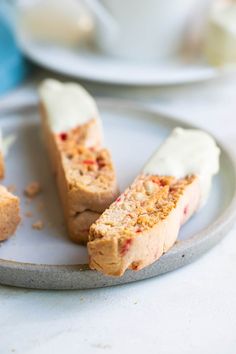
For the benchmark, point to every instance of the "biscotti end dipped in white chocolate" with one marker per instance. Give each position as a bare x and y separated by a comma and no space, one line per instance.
68,105
187,152
144,221
84,170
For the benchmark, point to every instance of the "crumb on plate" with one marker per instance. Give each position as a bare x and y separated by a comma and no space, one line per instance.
40,206
38,225
32,189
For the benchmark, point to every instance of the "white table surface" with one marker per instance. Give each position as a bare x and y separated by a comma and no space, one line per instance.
191,310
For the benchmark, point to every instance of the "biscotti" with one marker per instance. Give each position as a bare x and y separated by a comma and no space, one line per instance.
142,224
84,170
9,213
9,204
144,221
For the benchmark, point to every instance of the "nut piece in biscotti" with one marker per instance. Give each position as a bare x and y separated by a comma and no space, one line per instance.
84,170
9,213
142,223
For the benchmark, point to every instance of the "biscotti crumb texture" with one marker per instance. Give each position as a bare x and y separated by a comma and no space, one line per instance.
9,213
90,183
86,167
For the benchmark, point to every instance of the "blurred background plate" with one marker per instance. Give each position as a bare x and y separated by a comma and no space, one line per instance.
85,62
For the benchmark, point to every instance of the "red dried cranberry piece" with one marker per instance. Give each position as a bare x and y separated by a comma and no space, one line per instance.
63,136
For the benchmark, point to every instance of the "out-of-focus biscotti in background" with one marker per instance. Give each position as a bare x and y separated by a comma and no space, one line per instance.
220,41
65,22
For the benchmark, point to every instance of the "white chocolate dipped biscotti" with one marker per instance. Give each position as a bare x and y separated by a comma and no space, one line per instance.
145,220
84,170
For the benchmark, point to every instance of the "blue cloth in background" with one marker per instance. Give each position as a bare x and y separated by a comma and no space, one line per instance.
13,66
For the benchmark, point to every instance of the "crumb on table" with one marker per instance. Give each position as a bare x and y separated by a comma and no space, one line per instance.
38,225
32,189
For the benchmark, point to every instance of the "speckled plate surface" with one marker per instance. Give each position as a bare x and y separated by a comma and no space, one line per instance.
47,258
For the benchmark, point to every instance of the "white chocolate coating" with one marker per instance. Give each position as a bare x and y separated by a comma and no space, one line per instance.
68,105
186,152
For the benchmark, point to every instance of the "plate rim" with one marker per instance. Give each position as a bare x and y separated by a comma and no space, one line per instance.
222,223
210,72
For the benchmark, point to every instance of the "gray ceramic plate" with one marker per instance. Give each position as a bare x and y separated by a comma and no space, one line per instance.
47,259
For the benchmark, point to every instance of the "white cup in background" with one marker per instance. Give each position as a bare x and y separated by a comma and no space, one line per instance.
142,29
